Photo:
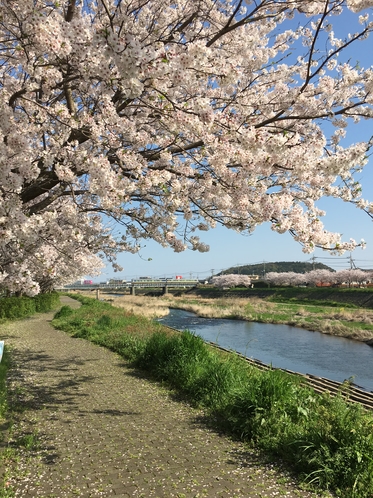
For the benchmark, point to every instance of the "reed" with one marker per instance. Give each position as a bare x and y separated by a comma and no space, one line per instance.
151,307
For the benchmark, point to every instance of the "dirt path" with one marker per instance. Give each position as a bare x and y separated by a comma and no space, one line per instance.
97,428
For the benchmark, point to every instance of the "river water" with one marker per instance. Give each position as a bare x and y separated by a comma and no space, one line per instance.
284,346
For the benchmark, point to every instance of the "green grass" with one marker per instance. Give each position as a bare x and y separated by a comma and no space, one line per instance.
4,365
311,308
357,325
310,301
14,308
312,295
312,317
29,442
328,442
272,317
104,324
5,491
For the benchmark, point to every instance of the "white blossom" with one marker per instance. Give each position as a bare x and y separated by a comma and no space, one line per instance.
169,128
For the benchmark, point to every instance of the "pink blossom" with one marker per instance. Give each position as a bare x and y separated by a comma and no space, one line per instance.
170,128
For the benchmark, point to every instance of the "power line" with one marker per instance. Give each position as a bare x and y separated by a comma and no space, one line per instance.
331,257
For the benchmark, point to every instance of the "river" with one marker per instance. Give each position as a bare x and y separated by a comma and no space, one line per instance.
284,346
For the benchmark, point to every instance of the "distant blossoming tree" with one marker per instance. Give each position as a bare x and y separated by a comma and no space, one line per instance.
286,278
320,277
353,277
231,280
170,118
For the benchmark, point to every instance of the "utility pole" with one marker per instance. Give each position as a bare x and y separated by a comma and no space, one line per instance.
313,262
352,263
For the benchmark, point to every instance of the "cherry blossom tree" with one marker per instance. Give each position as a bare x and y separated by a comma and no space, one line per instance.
353,276
231,280
286,278
320,277
169,118
276,278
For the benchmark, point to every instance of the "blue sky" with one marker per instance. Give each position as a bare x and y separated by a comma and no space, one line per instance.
228,248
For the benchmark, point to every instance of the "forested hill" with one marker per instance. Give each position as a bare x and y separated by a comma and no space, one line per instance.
278,267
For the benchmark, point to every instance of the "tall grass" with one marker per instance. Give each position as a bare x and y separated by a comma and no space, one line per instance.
151,307
187,364
326,440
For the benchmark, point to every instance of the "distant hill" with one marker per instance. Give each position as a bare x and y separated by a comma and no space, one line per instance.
278,267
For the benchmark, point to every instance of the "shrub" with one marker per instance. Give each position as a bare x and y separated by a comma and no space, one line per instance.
63,312
46,302
12,308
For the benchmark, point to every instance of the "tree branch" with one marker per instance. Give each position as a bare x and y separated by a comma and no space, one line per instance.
70,10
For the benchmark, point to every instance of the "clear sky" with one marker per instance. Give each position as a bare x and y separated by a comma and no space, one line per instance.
228,248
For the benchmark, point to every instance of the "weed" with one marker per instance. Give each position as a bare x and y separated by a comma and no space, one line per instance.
63,312
28,441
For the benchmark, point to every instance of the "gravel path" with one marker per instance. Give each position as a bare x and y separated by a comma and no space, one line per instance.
87,425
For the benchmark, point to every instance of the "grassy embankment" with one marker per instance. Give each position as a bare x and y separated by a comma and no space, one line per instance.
300,309
325,440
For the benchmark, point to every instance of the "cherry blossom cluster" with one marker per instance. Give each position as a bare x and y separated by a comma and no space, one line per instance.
320,277
122,121
231,280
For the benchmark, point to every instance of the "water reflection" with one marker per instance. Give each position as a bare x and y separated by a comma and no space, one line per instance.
284,346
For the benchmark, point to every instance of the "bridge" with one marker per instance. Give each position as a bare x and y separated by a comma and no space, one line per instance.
165,285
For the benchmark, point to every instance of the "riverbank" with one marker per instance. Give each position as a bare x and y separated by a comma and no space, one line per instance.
271,409
333,296
297,308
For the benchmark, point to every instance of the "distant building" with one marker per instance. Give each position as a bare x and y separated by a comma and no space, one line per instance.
75,284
